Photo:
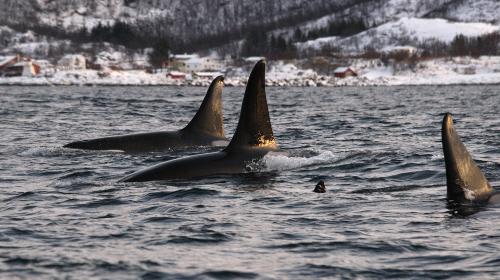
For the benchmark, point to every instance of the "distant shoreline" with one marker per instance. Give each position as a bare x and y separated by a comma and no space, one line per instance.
242,86
446,71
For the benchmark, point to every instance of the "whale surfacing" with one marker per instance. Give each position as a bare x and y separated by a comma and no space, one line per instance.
205,129
252,140
465,182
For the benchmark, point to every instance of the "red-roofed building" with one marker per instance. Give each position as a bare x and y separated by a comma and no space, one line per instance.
344,72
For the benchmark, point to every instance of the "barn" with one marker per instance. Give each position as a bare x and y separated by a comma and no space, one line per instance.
344,72
176,75
9,61
22,68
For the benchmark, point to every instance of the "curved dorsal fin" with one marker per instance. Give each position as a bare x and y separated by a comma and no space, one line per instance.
209,117
464,180
254,127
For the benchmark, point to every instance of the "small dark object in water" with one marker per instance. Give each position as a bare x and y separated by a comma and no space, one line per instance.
320,187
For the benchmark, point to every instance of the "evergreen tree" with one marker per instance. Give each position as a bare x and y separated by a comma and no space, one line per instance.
160,54
459,46
122,34
255,44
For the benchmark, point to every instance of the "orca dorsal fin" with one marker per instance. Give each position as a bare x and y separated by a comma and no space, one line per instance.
254,127
464,180
209,117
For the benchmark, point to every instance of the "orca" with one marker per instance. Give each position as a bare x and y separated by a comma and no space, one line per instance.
465,182
205,129
252,140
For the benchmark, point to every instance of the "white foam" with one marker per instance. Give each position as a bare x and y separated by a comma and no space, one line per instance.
54,151
280,161
437,156
41,151
116,151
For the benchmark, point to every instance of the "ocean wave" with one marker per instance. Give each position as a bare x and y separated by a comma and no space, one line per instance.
101,203
43,151
193,192
227,274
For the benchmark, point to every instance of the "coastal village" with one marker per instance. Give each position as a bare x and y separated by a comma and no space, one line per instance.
115,68
180,69
403,51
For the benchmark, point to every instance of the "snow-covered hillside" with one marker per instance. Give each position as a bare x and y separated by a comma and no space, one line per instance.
73,15
374,13
194,18
471,11
185,18
403,32
188,24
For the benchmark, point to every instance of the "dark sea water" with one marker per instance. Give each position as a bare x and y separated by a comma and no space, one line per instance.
378,149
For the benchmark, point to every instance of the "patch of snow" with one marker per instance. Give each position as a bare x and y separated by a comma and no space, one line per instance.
437,72
74,16
410,29
440,29
283,71
476,10
373,12
318,43
253,58
391,49
184,56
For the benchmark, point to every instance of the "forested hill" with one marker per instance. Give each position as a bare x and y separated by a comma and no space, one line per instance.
194,25
184,20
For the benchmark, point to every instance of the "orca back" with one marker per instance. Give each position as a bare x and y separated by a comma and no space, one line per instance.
209,118
254,126
464,180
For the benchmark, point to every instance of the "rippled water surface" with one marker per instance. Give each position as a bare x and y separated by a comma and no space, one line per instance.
378,149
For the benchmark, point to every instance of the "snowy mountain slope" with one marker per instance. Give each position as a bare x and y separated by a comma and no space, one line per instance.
191,20
403,32
10,38
73,14
373,13
317,44
470,11
185,18
17,11
422,29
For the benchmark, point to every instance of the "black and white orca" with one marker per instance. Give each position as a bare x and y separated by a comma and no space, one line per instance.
205,129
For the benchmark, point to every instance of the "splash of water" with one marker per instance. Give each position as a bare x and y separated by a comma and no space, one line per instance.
281,161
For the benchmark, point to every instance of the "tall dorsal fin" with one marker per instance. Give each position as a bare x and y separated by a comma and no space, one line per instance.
254,127
463,178
209,117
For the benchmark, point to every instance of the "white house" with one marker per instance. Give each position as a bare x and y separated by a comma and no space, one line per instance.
47,68
190,63
72,62
208,75
253,59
